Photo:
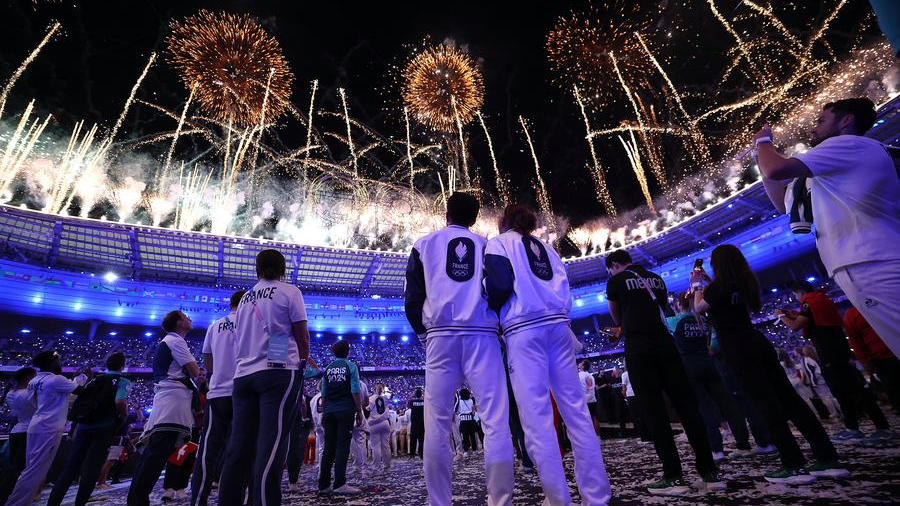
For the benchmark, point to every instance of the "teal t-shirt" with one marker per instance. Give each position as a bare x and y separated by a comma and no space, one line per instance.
339,383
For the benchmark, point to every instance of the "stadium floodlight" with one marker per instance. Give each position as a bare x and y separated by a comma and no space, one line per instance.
76,306
318,336
110,277
37,299
404,338
363,337
382,338
113,333
774,290
148,334
811,279
25,331
586,332
69,332
340,338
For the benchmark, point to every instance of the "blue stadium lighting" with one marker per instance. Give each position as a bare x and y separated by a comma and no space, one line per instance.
110,277
340,338
404,338
76,306
579,302
25,331
363,337
318,336
382,338
69,332
113,333
148,334
600,297
774,290
811,279
37,299
119,311
586,332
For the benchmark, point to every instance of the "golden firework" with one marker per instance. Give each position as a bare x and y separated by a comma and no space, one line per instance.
580,49
442,85
240,73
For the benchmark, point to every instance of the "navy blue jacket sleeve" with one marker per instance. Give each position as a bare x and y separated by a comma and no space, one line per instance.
498,280
415,292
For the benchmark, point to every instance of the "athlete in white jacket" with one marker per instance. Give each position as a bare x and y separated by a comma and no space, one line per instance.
527,285
318,407
380,428
445,305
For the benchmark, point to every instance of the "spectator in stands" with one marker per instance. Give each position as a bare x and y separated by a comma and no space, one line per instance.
104,398
172,417
822,324
855,195
873,354
220,350
342,407
49,392
273,341
729,300
691,337
638,302
22,408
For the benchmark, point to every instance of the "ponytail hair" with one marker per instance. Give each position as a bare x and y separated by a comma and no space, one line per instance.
520,218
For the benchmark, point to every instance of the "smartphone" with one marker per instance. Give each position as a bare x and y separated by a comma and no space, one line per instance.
698,264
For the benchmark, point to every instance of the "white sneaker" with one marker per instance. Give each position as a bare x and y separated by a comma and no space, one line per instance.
347,490
168,495
718,456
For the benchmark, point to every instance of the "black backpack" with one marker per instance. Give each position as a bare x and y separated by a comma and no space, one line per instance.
97,402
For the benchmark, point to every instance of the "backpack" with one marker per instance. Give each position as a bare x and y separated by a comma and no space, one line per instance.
97,402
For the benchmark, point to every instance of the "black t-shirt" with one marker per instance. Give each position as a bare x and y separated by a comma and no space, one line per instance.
642,325
416,413
830,341
727,309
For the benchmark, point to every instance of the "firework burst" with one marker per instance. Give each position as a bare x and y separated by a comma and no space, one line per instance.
230,59
580,48
442,88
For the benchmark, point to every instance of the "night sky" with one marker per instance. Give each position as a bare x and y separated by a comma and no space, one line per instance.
87,72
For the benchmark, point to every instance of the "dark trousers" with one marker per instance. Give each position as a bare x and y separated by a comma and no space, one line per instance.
86,456
849,388
752,359
469,431
16,465
518,437
715,401
264,404
888,370
297,447
213,441
653,374
416,441
151,465
338,427
637,418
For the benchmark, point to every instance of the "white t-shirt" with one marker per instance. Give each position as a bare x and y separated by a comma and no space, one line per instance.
21,405
316,412
221,343
404,421
626,382
278,305
855,201
171,398
51,392
587,386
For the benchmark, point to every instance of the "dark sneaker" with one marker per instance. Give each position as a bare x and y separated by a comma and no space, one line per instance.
714,483
828,470
848,436
675,486
790,476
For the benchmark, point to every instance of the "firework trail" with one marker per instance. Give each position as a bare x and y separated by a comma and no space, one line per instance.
542,195
165,169
596,169
309,124
349,134
632,150
502,185
19,71
463,155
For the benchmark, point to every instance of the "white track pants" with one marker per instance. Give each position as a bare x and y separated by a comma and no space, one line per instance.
320,443
874,289
379,440
477,360
456,445
358,449
40,450
542,360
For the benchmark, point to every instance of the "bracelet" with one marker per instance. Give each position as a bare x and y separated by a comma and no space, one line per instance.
762,140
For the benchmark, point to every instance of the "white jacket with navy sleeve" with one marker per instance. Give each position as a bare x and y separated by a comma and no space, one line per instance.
444,292
526,282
